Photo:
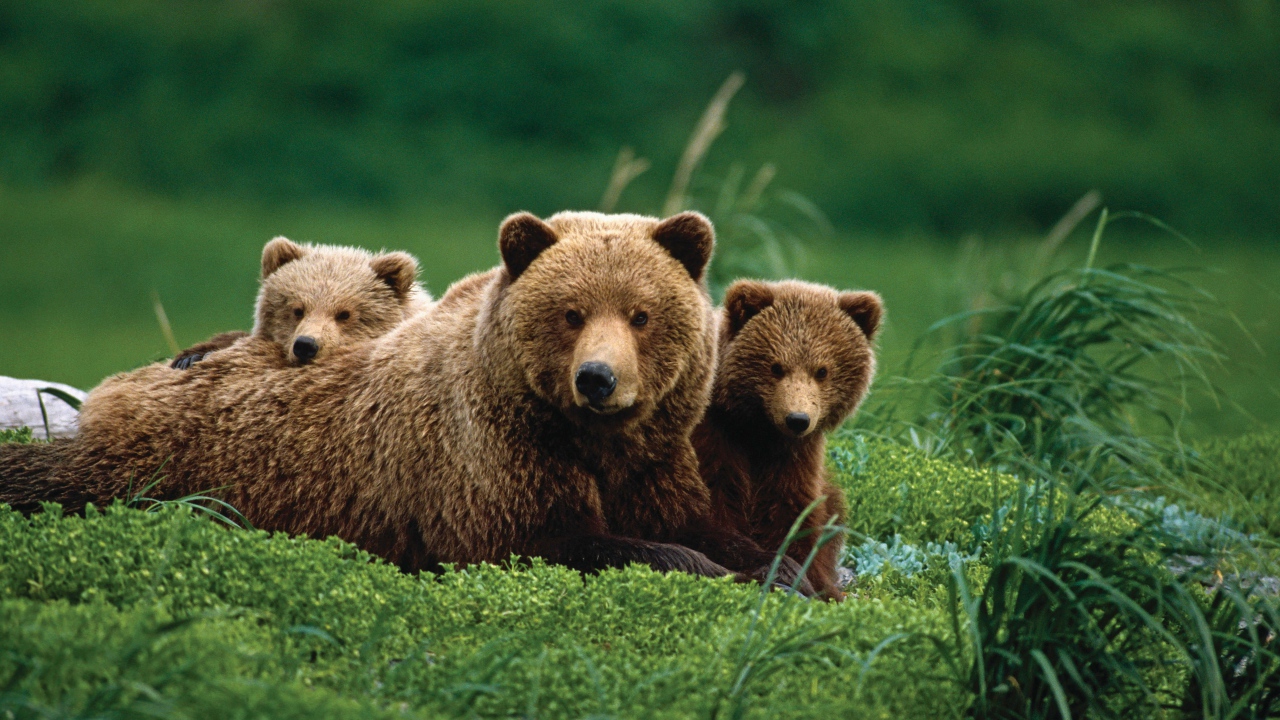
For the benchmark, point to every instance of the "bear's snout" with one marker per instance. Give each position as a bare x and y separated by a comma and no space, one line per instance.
796,405
596,382
797,422
603,373
305,348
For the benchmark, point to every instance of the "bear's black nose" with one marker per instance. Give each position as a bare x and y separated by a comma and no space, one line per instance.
595,381
305,348
797,422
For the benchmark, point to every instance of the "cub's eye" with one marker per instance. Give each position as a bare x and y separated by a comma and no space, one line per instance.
573,318
821,374
640,319
777,371
297,312
344,315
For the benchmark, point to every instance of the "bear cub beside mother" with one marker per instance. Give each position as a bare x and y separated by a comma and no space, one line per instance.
543,408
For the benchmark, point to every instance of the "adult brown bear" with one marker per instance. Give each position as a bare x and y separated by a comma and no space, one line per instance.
544,408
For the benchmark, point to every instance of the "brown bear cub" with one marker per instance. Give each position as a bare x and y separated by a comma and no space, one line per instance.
795,362
316,298
543,408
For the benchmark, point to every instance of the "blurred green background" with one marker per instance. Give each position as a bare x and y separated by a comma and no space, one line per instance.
154,146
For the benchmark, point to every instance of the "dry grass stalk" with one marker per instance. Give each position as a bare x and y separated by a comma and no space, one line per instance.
709,128
163,319
1061,229
627,168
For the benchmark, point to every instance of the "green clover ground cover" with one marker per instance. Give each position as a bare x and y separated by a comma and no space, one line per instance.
170,613
129,611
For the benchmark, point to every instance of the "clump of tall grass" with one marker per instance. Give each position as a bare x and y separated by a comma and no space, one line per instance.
1081,363
1076,380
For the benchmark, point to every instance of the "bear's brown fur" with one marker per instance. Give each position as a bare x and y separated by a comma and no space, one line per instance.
467,433
315,298
795,362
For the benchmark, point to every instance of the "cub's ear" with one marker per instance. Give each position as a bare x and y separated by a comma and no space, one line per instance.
521,239
689,238
865,308
744,300
279,251
399,270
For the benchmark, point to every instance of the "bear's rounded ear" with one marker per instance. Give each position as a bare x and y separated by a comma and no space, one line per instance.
521,239
865,308
689,238
278,252
744,300
399,270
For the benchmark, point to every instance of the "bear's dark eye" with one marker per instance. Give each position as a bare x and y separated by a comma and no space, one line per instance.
344,315
573,318
640,319
297,312
821,374
777,371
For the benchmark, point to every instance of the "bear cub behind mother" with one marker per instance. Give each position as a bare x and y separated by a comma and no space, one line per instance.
541,408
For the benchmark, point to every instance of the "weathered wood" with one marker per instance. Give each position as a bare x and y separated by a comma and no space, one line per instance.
20,407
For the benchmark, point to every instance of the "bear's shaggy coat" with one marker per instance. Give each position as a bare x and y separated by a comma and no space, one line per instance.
795,362
331,295
461,436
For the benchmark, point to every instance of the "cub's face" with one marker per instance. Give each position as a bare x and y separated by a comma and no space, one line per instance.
315,299
608,311
794,355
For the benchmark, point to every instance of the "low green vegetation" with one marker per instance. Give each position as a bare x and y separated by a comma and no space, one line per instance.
181,612
16,435
1240,478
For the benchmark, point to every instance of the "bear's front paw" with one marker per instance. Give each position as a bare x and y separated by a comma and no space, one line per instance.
787,576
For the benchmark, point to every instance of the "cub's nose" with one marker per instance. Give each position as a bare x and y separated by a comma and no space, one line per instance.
797,422
305,348
595,381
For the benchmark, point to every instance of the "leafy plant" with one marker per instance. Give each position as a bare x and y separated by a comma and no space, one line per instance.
16,435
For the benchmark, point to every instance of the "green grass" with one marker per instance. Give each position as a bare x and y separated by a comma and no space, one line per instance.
80,264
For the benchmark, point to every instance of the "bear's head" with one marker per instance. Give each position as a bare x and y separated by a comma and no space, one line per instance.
609,313
315,298
795,355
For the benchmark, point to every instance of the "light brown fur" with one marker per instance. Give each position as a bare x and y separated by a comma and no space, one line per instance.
332,295
459,436
785,348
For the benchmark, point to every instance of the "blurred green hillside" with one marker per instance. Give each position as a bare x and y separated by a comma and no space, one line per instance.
153,147
940,115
